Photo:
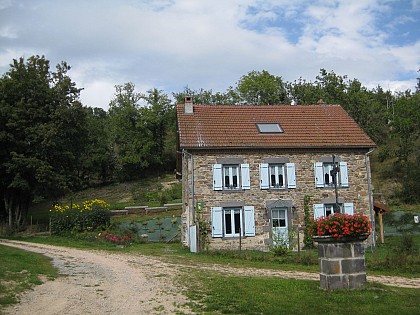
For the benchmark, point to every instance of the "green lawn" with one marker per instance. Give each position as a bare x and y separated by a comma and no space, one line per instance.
213,293
19,271
216,294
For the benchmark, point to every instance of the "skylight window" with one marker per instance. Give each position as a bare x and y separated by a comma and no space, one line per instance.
269,128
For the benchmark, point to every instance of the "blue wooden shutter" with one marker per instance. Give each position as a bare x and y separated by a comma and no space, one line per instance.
217,177
249,221
217,221
264,176
291,175
245,179
344,174
319,175
318,210
348,208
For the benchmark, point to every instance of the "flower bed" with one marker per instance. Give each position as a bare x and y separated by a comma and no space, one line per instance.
113,238
340,226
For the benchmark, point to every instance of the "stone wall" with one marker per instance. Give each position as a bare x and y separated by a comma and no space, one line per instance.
342,265
357,192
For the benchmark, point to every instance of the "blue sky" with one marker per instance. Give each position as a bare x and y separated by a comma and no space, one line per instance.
210,44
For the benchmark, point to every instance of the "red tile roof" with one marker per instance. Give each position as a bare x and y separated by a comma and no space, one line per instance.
304,126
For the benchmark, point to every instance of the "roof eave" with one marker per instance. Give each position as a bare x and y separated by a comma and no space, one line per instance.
357,147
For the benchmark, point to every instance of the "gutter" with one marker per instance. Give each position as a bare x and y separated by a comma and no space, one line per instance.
275,148
370,196
192,183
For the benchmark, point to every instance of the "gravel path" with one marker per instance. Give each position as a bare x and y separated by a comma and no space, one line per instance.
97,282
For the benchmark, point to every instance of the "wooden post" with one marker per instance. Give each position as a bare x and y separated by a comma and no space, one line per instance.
381,226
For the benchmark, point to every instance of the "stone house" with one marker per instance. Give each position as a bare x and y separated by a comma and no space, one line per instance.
247,169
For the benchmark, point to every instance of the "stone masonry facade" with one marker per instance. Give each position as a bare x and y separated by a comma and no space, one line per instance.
202,161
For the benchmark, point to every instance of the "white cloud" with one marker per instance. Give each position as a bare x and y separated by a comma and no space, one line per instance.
169,44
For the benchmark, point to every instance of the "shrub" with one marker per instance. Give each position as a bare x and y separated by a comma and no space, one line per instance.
283,243
91,215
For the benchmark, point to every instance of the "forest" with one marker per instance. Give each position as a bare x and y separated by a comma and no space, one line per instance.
51,144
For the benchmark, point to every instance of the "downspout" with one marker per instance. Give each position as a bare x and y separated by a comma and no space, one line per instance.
192,184
370,196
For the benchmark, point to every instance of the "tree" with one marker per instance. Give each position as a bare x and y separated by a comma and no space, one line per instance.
41,134
333,87
304,92
99,162
128,133
262,88
158,117
208,97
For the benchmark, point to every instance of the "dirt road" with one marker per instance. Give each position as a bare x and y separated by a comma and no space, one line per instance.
97,282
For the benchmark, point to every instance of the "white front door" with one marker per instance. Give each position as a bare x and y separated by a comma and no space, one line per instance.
280,228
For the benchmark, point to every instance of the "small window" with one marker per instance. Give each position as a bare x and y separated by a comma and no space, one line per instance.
276,173
324,210
269,128
231,177
326,174
233,221
278,217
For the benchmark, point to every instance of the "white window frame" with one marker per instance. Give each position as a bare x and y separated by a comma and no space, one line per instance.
267,170
324,168
326,209
219,222
226,173
229,172
278,218
274,173
231,224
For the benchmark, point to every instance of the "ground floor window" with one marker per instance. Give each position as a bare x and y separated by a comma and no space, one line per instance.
233,221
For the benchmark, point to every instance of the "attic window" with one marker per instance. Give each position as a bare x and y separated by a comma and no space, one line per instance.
269,128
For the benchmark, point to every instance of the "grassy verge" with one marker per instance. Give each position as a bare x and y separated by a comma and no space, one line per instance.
216,294
387,259
213,293
19,271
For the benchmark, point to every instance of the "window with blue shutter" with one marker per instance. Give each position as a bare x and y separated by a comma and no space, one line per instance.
217,177
319,174
277,176
348,208
324,174
264,176
319,210
233,221
344,174
217,221
291,175
246,181
249,220
231,177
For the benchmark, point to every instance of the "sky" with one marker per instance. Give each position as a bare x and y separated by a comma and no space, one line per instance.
211,44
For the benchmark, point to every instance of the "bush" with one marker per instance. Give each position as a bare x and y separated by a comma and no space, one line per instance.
283,243
92,215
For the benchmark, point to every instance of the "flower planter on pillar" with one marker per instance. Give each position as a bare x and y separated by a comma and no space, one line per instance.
342,262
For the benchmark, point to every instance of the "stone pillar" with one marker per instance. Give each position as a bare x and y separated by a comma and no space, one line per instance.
342,264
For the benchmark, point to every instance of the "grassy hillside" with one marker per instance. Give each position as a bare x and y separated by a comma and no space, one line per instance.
153,191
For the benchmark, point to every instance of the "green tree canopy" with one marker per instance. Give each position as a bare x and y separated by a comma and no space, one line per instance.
41,134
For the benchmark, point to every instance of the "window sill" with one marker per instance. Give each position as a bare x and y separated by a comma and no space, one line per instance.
332,187
230,191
